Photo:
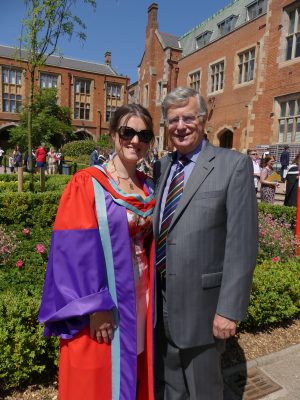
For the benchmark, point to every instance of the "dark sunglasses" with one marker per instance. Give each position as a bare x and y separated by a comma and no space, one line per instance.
127,133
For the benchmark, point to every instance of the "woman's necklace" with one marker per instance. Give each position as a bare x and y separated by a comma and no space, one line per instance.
122,177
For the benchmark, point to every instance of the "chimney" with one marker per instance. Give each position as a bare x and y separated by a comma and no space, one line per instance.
107,58
152,17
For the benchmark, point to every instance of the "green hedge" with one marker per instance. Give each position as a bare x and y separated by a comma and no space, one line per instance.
275,294
79,148
29,209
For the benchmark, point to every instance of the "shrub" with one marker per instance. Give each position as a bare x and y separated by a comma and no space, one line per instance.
275,294
79,148
7,245
279,212
276,239
26,356
29,209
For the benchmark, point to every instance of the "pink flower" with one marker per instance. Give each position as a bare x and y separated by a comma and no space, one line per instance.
5,249
19,264
40,248
276,259
25,231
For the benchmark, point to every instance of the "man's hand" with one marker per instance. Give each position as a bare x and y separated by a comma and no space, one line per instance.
223,328
101,325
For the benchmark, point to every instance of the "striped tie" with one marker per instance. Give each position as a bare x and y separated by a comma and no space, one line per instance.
172,200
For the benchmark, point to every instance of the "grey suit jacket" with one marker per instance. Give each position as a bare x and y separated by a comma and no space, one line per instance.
211,245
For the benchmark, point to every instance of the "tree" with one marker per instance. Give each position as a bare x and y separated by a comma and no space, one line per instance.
51,123
45,22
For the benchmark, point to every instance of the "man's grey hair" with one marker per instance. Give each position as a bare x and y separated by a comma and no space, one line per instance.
180,96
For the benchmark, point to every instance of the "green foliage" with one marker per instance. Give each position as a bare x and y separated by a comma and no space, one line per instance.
275,293
276,239
279,212
51,123
79,148
104,142
9,183
26,356
29,209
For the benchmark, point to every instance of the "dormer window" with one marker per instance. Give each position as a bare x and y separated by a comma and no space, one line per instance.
203,39
227,25
257,8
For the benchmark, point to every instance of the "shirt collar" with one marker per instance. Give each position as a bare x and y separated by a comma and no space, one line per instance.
193,155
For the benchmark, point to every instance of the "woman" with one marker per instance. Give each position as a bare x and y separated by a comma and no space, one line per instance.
292,177
99,281
52,161
267,188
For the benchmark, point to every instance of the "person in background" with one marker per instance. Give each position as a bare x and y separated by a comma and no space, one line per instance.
292,183
256,168
40,156
284,161
17,158
206,230
1,156
267,188
61,160
11,163
52,161
94,159
98,292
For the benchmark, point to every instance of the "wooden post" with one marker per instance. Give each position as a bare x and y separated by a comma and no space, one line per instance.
20,179
42,179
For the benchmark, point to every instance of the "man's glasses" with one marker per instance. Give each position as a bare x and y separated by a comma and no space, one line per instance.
127,133
253,154
186,119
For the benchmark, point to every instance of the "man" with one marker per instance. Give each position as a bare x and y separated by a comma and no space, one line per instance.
40,156
256,168
1,156
94,160
206,251
284,161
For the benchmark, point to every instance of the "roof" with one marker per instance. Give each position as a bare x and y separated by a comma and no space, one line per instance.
168,40
237,8
63,62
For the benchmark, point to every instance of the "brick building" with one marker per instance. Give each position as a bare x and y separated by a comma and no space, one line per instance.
92,91
245,61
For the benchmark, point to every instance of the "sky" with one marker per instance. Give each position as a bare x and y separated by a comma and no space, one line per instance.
117,26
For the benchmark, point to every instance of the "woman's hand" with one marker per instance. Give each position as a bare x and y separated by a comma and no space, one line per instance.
102,324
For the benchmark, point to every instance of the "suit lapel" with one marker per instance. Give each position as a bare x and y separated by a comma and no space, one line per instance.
203,167
166,164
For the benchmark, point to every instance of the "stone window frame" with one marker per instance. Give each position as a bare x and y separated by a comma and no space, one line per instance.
146,95
292,32
287,112
193,81
241,62
211,74
12,89
255,5
114,98
84,99
161,91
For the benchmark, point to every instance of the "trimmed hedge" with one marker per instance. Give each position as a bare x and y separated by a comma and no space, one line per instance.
79,148
282,213
275,294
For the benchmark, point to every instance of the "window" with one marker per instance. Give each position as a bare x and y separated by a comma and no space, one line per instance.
217,76
289,121
194,80
113,91
161,91
246,66
11,90
203,39
48,81
257,8
227,25
293,37
109,112
82,104
146,96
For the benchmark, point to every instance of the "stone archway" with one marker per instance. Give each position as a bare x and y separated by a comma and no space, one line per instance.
83,134
4,134
226,139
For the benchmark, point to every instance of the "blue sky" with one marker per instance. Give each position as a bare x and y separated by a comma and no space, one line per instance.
117,26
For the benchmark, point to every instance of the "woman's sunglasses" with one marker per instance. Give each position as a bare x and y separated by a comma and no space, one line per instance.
127,133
